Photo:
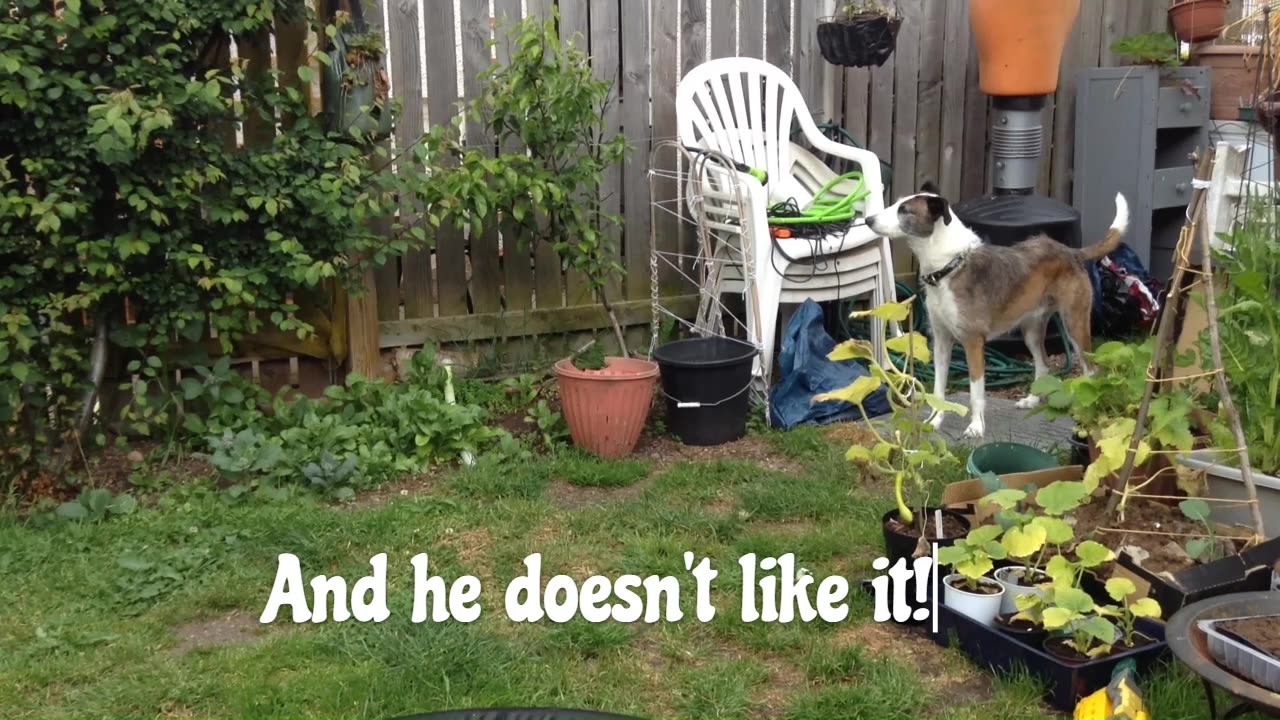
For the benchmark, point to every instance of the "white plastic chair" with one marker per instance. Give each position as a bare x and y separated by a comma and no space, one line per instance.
746,109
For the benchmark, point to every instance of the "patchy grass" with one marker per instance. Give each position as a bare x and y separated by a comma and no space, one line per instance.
155,613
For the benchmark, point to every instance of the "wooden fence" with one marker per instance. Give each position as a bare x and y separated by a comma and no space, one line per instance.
922,113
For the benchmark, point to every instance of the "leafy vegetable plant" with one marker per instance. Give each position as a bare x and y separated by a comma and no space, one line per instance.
1204,549
96,504
1127,613
908,450
972,555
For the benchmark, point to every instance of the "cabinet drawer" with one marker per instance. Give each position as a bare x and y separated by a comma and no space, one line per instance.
1171,187
1180,109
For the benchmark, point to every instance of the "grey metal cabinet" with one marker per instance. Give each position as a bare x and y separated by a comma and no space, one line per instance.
1136,128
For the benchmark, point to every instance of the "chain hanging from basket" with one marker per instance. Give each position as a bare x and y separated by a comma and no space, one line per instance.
862,33
356,91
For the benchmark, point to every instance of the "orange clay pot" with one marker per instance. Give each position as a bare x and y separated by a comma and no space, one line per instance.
605,409
1020,43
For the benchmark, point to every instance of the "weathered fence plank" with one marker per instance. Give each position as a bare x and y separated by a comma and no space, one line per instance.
955,68
634,114
777,38
477,31
906,76
406,87
665,67
575,29
441,56
723,23
517,263
606,58
929,92
751,28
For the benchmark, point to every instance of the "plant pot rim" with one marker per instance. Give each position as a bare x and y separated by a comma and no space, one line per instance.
989,582
893,514
851,19
616,369
1019,568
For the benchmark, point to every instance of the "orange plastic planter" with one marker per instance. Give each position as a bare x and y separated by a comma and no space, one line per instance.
605,409
1020,43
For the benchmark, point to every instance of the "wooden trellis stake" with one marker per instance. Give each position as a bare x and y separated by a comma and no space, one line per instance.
1162,356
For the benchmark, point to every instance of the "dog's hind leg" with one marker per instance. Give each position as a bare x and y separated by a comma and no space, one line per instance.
942,343
1033,329
1077,315
973,355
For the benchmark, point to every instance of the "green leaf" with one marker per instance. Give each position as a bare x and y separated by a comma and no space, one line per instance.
20,371
306,74
1056,530
1195,509
123,504
72,511
191,388
1198,548
1007,498
983,534
1073,599
854,393
852,350
1061,497
1145,607
944,405
858,453
1022,542
891,311
912,343
1092,554
1120,588
1056,617
1100,629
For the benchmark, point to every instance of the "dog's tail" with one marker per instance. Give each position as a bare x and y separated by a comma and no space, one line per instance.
1111,240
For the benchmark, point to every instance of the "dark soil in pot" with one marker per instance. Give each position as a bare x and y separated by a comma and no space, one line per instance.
1016,576
1057,646
1025,630
1262,633
980,588
953,524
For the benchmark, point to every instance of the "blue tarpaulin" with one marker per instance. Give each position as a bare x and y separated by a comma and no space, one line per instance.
805,372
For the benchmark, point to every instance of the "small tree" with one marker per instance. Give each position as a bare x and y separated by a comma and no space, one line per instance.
546,103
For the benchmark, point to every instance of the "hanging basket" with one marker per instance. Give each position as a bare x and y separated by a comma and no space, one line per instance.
858,40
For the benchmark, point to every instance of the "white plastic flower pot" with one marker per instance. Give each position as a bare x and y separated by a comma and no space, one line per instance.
1008,577
979,607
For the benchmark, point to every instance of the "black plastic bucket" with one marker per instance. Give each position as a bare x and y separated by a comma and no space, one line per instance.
706,382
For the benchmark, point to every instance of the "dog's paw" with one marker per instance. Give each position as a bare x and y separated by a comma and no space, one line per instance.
1030,402
975,430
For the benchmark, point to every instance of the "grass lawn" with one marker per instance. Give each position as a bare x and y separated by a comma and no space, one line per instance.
155,613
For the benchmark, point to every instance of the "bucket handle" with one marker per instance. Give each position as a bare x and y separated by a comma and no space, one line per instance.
682,404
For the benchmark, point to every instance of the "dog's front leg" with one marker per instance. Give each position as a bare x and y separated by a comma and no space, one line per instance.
973,355
942,343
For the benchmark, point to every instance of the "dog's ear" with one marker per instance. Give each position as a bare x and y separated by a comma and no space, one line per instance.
930,187
939,207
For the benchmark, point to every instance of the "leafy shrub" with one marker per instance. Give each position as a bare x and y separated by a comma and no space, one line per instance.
95,504
116,186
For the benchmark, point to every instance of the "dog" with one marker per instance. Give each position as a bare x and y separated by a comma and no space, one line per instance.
975,291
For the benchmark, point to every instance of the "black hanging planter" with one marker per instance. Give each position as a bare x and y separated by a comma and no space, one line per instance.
858,40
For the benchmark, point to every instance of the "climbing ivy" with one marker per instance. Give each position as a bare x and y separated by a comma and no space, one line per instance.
118,187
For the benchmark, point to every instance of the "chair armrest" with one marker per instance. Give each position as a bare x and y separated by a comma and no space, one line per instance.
868,162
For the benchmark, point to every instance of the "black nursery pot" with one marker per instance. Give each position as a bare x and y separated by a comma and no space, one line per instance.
1065,682
859,41
1079,450
1025,632
900,545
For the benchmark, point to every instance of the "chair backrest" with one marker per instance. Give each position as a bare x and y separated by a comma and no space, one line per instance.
742,107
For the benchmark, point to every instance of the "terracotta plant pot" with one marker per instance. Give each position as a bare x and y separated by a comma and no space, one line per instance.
1198,20
606,409
1233,72
1020,43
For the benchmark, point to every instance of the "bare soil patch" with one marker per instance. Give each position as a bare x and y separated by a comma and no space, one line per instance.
234,629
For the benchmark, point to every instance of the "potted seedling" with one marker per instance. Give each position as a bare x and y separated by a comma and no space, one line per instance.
1127,612
1029,535
906,448
1150,48
546,101
862,33
968,591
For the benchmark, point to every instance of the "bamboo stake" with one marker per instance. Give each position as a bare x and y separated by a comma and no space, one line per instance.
1220,381
1155,366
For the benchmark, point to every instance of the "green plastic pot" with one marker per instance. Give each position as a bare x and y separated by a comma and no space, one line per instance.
1004,458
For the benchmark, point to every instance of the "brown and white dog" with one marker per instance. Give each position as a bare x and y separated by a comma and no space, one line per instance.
975,291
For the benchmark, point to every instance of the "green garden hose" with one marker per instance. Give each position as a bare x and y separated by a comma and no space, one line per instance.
827,206
1001,370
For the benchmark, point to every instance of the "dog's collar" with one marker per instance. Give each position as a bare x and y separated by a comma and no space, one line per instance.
935,277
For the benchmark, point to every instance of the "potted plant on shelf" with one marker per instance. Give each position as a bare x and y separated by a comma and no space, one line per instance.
968,590
862,33
1196,21
1150,48
546,101
906,448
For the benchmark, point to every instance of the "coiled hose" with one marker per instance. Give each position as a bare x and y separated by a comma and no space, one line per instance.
1001,370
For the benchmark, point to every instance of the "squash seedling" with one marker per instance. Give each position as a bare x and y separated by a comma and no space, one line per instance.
1202,549
972,556
1127,613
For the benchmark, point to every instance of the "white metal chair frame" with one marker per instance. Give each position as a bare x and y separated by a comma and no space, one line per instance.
746,108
